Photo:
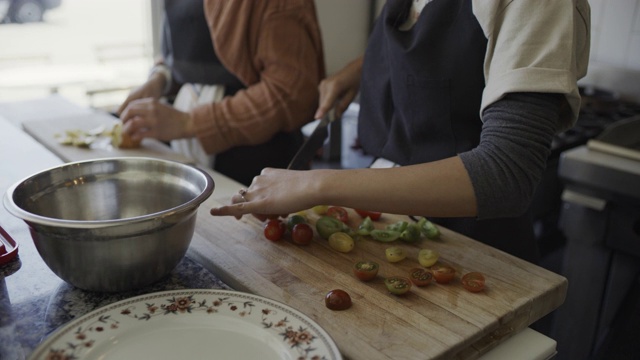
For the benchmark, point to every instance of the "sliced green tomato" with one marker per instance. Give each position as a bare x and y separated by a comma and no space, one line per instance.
384,235
342,242
428,257
399,226
327,225
398,285
428,228
411,233
365,226
395,254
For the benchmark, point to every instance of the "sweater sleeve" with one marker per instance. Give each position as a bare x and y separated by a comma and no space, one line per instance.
507,166
277,52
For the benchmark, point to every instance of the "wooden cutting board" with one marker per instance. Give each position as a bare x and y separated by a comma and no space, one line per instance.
434,322
50,131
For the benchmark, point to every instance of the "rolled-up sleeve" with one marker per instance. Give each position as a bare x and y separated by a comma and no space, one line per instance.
275,49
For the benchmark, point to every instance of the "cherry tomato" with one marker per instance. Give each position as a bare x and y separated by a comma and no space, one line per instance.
302,234
293,220
274,229
397,285
366,270
339,213
374,215
327,225
342,242
442,273
420,276
428,257
395,254
473,281
384,235
337,300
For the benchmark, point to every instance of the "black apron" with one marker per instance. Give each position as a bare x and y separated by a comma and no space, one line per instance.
187,48
420,98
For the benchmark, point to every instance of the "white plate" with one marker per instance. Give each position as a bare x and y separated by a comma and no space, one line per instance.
194,324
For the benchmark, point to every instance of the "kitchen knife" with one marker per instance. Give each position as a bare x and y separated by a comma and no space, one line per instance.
314,142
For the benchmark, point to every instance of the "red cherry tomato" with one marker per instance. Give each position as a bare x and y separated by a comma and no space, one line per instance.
473,281
274,229
366,270
374,215
302,234
337,300
420,276
443,273
339,213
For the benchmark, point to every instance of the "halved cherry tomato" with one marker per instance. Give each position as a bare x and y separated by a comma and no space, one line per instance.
384,235
374,215
397,285
302,234
428,257
366,270
365,227
473,281
339,213
420,276
337,300
443,273
274,229
395,254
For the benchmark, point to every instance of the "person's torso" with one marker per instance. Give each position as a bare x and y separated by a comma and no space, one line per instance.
187,47
421,88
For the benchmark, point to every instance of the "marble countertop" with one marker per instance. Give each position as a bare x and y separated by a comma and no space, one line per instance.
34,302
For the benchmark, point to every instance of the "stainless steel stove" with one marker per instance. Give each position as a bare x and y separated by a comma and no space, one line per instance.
600,218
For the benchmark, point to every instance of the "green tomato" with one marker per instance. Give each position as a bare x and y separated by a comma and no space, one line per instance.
327,225
366,226
400,226
294,220
384,235
428,228
411,233
398,285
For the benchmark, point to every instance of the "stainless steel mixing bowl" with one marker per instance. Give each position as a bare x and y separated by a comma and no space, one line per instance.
111,224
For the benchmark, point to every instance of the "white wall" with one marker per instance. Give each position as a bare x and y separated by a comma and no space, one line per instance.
615,47
345,29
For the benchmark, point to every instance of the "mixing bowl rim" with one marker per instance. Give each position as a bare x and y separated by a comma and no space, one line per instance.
29,217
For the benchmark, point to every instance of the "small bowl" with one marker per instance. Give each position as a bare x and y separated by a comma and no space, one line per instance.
111,224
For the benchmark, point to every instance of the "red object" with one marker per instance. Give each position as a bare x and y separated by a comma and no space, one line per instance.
374,215
339,213
8,247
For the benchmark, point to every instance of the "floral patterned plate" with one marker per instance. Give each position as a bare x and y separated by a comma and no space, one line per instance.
194,324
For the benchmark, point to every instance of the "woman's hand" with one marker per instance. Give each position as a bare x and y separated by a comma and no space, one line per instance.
340,89
149,117
151,89
275,192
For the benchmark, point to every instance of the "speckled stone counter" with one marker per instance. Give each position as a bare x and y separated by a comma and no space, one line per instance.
34,302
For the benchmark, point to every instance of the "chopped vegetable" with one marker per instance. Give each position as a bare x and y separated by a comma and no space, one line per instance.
428,257
365,226
384,235
398,285
395,254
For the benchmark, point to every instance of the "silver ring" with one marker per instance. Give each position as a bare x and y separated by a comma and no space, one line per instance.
242,193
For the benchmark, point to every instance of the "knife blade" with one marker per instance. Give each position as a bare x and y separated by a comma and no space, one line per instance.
308,150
